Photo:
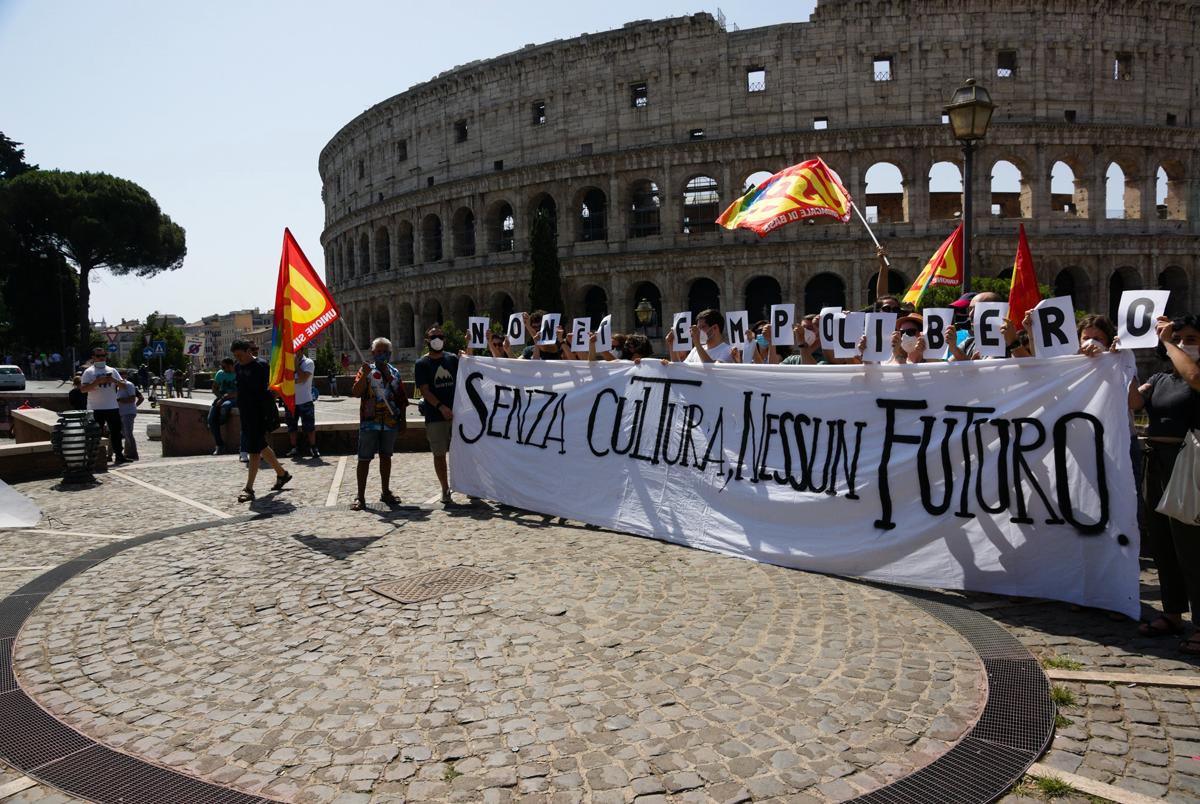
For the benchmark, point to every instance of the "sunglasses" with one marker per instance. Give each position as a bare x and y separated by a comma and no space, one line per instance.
913,332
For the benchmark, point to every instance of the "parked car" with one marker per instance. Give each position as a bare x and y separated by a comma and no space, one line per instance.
12,378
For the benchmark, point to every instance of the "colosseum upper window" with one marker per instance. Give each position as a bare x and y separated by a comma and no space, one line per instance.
884,68
539,112
1006,64
1123,67
401,150
460,130
756,79
820,123
639,98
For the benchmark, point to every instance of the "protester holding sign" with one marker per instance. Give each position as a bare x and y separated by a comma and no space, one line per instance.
435,375
551,349
1171,399
708,340
381,415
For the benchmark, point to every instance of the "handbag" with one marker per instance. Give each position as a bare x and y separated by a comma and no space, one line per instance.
270,415
1181,496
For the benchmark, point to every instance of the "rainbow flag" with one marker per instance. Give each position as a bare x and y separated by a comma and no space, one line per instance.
303,307
943,268
808,190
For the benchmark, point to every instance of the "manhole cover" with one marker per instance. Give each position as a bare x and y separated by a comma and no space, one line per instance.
437,583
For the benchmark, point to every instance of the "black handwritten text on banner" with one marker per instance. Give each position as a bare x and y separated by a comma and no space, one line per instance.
1005,476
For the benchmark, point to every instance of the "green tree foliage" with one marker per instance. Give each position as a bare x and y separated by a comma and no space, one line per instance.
455,338
545,279
12,159
159,330
93,220
325,362
942,296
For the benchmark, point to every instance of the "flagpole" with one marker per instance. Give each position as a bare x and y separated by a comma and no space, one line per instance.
886,261
361,357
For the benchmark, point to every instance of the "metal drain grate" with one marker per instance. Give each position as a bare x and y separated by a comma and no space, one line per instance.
437,583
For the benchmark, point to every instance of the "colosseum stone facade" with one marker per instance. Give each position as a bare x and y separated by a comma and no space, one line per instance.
635,139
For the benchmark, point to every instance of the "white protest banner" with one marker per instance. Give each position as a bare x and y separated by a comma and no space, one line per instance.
737,324
1137,315
935,326
477,331
880,327
604,335
548,334
782,318
828,472
827,327
989,340
193,346
581,328
1052,326
516,329
681,325
850,328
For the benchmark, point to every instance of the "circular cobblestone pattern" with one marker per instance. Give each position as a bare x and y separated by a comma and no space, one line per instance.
598,667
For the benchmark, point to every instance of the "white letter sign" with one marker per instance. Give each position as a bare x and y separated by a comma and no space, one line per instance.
782,318
682,327
827,327
1137,314
850,328
580,329
935,327
548,334
880,327
477,330
736,325
604,335
1054,331
989,340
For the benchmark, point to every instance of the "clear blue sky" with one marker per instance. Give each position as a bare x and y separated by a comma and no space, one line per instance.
220,109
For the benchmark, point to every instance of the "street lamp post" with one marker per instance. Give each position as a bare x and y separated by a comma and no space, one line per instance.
970,112
645,314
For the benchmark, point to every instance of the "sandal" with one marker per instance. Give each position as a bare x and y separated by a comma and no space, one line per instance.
1191,645
281,481
389,498
1159,627
358,504
247,495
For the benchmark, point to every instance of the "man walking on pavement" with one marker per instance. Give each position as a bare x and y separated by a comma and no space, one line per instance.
435,375
99,382
256,408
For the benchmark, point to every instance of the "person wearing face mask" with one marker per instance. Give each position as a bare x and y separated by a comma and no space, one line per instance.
383,402
808,346
435,376
908,343
1171,400
99,382
708,340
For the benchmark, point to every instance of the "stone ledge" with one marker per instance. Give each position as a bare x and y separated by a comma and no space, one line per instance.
37,460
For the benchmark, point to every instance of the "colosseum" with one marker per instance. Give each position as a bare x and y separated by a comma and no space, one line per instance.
635,139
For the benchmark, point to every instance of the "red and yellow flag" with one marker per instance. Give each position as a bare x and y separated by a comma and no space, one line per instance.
943,268
1023,293
303,307
807,190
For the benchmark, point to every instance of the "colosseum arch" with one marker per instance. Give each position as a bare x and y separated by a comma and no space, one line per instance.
544,203
592,223
1068,191
650,292
1123,279
364,254
431,238
501,226
363,316
593,302
463,228
703,294
824,290
383,249
431,314
1011,196
348,258
945,191
897,284
403,336
404,243
500,307
886,196
1073,281
381,324
1122,195
462,308
645,205
1171,191
701,205
331,265
1175,279
761,293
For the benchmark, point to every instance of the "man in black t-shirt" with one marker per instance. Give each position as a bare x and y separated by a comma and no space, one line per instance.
435,376
253,397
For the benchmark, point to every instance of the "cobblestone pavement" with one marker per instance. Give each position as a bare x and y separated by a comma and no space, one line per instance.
597,666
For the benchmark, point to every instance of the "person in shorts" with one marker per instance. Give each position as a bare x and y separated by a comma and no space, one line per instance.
435,375
381,411
253,398
304,417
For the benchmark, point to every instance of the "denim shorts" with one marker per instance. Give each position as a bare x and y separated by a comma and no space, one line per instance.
373,441
306,414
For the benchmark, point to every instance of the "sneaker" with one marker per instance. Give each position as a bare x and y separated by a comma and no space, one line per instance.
315,454
244,458
446,500
291,451
217,451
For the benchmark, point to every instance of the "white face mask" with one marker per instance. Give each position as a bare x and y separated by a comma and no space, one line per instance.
436,344
1087,342
810,337
908,342
1191,351
703,337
